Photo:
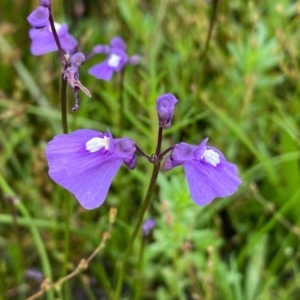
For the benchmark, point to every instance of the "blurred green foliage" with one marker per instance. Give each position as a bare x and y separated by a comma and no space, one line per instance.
243,94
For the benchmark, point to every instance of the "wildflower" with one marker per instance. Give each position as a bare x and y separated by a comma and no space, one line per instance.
86,161
208,173
148,225
43,40
116,60
165,107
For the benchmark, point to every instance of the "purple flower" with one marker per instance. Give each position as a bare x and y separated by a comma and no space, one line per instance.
165,107
208,173
116,59
86,161
148,225
43,40
39,18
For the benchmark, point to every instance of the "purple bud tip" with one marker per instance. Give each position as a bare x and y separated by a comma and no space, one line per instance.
34,274
39,18
148,225
45,3
77,59
134,59
117,42
165,107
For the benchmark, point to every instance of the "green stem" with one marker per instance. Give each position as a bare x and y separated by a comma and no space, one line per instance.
57,41
212,22
137,227
121,102
63,101
63,98
67,231
139,284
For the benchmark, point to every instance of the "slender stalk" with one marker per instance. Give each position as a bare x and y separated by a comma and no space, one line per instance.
139,284
63,91
59,47
143,208
137,227
159,141
63,103
162,155
142,153
64,121
212,22
67,208
121,102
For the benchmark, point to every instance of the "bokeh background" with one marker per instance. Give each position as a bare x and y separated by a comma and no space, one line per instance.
241,90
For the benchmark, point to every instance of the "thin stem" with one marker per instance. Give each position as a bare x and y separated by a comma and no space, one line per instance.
210,29
64,121
142,153
63,101
63,91
137,227
121,101
82,266
139,284
159,141
161,155
67,234
55,35
143,208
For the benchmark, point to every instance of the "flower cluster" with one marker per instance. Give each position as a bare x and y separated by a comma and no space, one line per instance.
43,40
86,161
48,36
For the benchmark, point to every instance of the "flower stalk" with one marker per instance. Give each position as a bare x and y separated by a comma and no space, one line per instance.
143,208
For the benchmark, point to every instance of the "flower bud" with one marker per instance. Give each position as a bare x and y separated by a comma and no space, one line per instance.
45,3
77,59
148,226
165,106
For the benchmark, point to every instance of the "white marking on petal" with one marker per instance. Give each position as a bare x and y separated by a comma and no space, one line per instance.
114,60
211,157
96,143
56,25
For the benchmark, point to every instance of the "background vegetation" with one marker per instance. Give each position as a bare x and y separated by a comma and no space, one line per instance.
243,93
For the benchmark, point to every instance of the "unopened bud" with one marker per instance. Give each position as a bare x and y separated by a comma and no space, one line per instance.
165,108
